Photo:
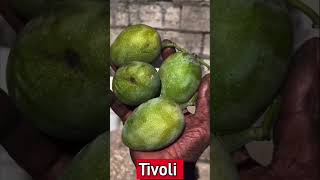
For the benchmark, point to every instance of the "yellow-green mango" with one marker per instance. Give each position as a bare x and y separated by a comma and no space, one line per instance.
180,76
153,125
136,43
136,83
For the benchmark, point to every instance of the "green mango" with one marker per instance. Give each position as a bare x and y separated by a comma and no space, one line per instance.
222,166
136,43
251,54
92,162
136,83
56,72
29,9
153,125
180,76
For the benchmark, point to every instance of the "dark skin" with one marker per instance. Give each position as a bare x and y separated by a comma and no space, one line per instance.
196,135
296,135
296,154
45,158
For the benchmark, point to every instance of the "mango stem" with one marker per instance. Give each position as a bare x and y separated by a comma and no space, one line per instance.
307,11
271,116
191,101
202,62
169,44
235,141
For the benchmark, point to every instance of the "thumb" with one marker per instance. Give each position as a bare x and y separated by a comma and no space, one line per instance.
203,103
122,110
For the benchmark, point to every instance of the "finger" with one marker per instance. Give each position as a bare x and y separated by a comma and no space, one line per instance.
302,77
296,135
243,160
261,173
33,151
58,169
166,52
22,136
114,67
203,103
122,110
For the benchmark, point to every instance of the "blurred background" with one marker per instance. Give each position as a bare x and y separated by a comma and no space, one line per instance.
184,21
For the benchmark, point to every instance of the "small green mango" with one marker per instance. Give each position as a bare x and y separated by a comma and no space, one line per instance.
92,162
153,125
136,83
180,77
136,43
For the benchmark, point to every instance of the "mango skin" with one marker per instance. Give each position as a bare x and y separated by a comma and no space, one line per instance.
136,83
153,125
136,43
180,77
251,55
56,73
92,162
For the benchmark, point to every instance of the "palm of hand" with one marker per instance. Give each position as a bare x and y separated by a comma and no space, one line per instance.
195,138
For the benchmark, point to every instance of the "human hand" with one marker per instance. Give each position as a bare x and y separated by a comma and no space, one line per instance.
296,135
43,157
196,135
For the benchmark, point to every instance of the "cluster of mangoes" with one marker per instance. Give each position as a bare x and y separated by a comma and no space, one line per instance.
158,120
56,75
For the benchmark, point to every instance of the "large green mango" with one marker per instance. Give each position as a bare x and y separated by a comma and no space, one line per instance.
153,125
92,162
252,45
180,76
57,71
138,42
